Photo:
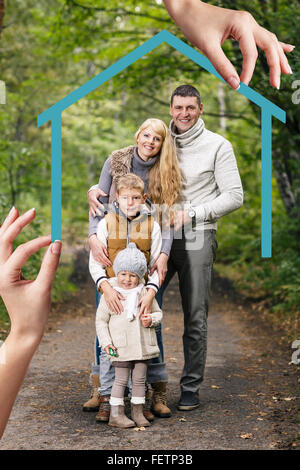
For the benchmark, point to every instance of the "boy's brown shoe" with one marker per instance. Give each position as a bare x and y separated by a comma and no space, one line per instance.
104,409
93,403
147,407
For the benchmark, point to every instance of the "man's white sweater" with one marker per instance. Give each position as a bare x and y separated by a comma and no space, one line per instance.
211,180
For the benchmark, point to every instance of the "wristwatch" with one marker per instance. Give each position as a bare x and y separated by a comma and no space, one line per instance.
192,215
191,212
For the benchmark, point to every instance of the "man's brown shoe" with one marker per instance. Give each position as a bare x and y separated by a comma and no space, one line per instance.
159,400
93,403
104,409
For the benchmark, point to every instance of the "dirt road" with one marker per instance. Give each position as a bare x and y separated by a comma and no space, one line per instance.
248,397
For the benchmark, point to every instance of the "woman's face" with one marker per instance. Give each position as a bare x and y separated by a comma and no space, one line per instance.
149,143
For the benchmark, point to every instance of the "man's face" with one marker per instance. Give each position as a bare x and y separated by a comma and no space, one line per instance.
185,112
130,201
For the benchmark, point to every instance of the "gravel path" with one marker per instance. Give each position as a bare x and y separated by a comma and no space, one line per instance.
248,397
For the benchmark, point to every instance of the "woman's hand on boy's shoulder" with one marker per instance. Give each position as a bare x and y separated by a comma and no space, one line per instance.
99,251
96,208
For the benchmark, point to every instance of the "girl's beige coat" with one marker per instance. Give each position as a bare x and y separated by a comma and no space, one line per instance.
132,340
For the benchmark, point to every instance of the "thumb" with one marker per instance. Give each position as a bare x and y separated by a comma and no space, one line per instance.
49,265
223,65
153,269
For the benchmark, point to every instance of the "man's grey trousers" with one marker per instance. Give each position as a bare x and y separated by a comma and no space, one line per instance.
193,261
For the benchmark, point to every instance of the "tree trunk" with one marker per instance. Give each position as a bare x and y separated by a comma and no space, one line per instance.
222,108
287,183
2,7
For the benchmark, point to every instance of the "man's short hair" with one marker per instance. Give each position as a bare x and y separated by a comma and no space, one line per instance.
131,181
186,90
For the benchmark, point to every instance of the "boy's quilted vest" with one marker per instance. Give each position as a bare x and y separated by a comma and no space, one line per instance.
121,231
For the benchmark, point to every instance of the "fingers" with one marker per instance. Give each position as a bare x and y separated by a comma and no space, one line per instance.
49,265
12,230
153,269
99,208
96,208
162,278
119,305
115,305
12,216
222,65
120,296
103,259
284,64
286,47
249,51
23,252
99,212
274,54
271,52
101,193
141,311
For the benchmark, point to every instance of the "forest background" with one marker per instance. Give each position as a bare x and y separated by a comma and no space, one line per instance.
47,51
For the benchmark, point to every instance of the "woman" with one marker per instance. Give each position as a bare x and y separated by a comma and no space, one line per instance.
154,160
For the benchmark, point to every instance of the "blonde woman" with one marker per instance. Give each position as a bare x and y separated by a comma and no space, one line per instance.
153,158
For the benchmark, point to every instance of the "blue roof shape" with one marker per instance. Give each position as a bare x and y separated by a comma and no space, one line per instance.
268,109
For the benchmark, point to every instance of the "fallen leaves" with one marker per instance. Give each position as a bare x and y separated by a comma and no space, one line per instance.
284,399
248,435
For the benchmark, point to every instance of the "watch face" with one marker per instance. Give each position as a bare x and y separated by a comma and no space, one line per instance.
192,213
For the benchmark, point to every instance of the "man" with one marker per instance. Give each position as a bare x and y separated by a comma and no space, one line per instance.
211,189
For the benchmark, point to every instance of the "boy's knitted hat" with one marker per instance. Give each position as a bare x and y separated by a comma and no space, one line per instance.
131,259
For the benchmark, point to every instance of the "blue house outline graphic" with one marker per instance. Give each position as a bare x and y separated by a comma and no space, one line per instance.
268,109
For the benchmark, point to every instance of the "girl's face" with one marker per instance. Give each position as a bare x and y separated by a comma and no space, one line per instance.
127,280
149,143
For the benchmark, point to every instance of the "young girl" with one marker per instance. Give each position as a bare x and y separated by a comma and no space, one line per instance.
131,339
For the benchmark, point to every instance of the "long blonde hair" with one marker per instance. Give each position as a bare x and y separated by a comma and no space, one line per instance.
165,179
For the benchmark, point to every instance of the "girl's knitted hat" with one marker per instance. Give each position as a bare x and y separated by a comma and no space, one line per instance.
131,259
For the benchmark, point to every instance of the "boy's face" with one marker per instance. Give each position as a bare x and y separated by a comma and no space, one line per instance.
130,201
127,280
